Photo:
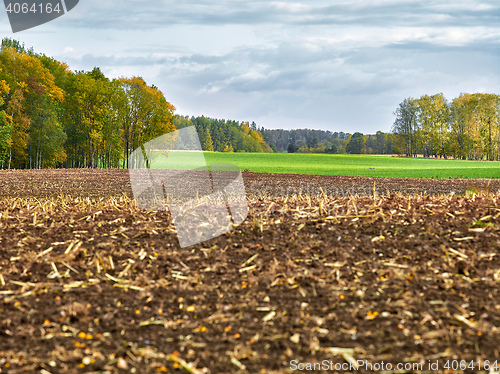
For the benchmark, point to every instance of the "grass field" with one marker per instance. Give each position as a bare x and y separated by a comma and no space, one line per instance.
357,165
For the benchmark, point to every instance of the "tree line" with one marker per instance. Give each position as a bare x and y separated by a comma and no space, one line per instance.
219,135
321,141
468,127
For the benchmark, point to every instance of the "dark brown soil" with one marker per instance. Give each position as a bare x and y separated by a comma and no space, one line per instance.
91,284
115,182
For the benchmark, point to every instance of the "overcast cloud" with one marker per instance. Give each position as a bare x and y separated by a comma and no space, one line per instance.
341,66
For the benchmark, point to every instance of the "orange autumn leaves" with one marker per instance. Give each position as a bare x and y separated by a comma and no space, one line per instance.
51,116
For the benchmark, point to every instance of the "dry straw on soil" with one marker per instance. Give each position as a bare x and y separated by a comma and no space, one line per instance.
96,285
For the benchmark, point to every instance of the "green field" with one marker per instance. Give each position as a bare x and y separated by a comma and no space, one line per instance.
357,165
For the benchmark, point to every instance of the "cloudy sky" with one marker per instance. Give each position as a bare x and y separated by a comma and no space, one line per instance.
333,65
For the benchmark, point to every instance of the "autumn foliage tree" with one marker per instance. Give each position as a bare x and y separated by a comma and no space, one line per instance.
5,125
146,113
33,103
466,128
53,117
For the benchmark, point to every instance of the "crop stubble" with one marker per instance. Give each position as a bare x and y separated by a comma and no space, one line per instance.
92,284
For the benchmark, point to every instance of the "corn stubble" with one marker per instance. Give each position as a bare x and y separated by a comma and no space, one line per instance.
93,284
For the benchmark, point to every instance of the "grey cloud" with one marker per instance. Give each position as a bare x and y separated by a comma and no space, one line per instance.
296,69
318,88
411,13
343,67
114,14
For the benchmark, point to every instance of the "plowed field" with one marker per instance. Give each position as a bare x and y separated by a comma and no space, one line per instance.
325,274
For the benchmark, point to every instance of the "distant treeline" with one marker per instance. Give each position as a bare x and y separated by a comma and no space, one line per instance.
220,135
466,128
320,141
